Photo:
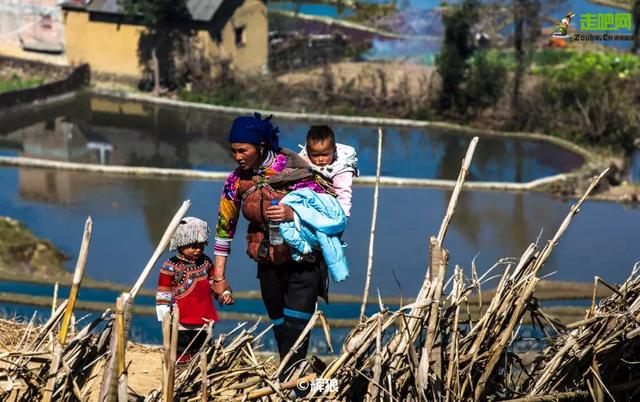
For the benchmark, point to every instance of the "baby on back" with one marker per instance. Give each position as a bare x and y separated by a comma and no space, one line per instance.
337,162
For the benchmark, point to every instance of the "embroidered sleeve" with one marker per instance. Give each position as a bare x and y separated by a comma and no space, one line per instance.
227,215
164,294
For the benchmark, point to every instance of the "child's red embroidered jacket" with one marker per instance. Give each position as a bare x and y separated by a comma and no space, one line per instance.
188,284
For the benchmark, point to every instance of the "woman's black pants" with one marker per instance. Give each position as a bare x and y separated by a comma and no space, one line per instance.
290,292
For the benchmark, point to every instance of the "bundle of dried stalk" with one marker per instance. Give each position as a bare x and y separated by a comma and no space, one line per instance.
599,355
27,372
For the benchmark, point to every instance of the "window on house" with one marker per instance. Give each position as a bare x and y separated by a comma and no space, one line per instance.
241,39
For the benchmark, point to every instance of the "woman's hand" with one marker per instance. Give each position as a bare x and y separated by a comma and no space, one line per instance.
280,213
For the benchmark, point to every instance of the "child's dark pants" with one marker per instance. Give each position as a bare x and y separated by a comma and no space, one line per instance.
189,343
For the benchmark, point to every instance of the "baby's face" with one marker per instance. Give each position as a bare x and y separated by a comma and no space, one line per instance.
321,152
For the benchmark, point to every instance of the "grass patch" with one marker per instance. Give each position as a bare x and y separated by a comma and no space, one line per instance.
15,82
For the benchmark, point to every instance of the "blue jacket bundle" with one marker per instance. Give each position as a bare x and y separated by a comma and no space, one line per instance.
318,223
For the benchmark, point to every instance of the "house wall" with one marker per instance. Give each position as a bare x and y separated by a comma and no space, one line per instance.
108,47
112,48
251,56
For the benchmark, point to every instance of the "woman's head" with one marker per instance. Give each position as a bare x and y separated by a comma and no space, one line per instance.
251,138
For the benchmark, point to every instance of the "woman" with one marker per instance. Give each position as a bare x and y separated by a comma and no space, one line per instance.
267,172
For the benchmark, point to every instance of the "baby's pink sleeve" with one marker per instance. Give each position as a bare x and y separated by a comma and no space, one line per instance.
342,184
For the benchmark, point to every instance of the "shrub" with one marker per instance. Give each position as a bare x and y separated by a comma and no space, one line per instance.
486,80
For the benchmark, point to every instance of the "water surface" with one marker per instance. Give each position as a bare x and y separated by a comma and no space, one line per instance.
96,129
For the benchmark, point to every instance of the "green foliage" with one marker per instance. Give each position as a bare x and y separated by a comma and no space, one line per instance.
592,98
550,57
164,39
155,12
457,47
487,78
15,82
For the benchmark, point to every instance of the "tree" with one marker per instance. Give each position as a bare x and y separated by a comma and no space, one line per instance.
636,27
457,47
527,15
164,38
526,18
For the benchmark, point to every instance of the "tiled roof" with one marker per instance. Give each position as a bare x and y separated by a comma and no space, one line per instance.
200,10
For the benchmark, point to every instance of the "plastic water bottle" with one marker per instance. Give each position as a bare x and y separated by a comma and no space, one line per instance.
274,230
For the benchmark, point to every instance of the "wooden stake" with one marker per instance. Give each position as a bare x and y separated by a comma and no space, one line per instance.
77,280
372,235
164,242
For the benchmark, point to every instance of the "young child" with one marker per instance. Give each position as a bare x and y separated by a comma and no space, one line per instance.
186,281
337,162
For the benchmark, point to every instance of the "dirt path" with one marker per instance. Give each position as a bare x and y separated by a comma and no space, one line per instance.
144,374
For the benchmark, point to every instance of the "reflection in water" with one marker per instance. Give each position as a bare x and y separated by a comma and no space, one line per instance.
130,215
111,131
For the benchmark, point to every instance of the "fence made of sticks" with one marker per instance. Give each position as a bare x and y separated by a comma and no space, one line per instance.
449,344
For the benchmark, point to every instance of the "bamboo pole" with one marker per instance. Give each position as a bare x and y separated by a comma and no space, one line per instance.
73,295
77,280
53,373
173,351
166,349
160,248
122,346
111,374
401,340
372,235
203,376
54,302
439,258
462,175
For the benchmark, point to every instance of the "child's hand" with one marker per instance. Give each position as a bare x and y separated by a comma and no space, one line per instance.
226,297
222,292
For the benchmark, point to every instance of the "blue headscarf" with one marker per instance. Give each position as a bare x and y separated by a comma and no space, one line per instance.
254,130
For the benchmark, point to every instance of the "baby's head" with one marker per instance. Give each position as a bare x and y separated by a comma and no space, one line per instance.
190,237
321,145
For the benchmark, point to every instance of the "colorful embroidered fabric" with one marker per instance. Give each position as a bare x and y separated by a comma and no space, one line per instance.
230,201
188,284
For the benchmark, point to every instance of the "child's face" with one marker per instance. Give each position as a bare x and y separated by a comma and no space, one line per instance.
192,251
321,152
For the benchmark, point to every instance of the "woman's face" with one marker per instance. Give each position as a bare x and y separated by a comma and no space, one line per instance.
246,156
